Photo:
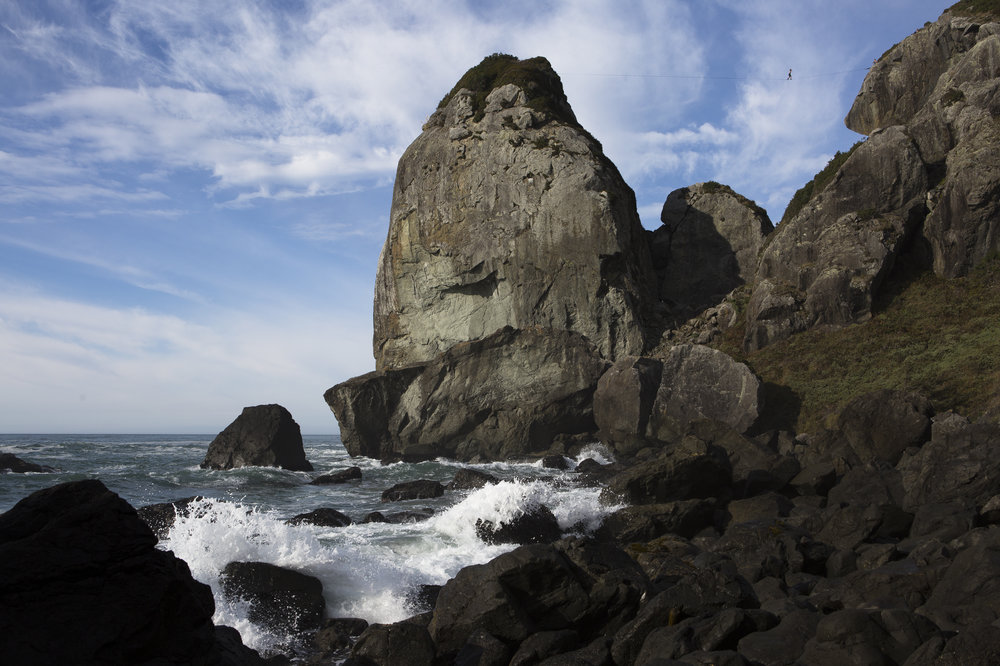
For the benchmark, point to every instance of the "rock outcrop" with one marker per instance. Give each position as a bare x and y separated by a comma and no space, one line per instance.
506,212
708,244
508,395
11,463
264,436
925,182
82,582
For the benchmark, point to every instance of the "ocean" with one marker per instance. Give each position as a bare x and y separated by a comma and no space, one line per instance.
368,570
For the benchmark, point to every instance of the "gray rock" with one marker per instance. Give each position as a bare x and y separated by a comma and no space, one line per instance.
879,426
708,244
690,469
160,517
508,395
624,399
699,382
265,436
506,213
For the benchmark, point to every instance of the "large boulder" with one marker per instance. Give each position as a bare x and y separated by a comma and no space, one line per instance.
506,212
81,581
505,396
281,599
264,436
708,244
925,181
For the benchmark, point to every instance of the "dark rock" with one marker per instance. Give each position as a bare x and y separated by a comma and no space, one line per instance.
471,479
555,462
538,588
942,521
160,517
624,399
879,426
757,466
338,634
815,479
408,490
483,649
699,382
867,637
402,643
689,469
340,476
375,517
596,653
762,548
400,517
507,395
969,591
897,584
535,525
265,435
784,643
848,526
324,517
868,485
976,644
761,507
11,463
537,647
423,597
649,521
281,599
707,633
77,557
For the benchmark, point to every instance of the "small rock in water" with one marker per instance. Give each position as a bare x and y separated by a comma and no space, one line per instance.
538,525
341,476
407,490
11,463
471,479
555,462
324,517
160,517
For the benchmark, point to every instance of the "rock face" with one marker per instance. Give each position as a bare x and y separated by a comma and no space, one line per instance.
265,436
506,212
925,181
507,395
81,581
708,244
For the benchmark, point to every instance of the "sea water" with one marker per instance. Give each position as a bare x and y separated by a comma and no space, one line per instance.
368,570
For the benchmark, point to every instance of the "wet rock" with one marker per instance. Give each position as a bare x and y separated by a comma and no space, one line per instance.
544,644
471,479
323,517
483,649
535,525
402,643
338,477
409,490
284,600
555,462
77,557
11,463
265,435
337,634
160,517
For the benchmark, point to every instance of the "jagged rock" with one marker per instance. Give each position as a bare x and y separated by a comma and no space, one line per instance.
708,244
11,463
324,517
879,426
649,521
507,395
978,644
867,637
969,591
408,490
338,634
278,598
483,649
782,644
699,382
544,644
265,435
402,643
506,213
338,477
702,634
536,525
756,464
81,581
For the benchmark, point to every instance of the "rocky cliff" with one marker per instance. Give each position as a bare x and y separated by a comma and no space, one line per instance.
506,212
924,184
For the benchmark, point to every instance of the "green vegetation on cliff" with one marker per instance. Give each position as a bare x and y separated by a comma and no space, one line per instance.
939,337
816,185
541,85
989,9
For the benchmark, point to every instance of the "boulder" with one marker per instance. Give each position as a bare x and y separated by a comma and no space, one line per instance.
624,399
783,644
699,382
508,395
471,479
402,643
969,591
702,634
283,600
879,426
11,463
536,525
978,644
708,244
75,559
649,521
323,517
338,477
505,212
160,517
867,637
265,436
338,634
409,490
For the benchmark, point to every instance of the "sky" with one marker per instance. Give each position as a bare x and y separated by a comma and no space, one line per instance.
193,195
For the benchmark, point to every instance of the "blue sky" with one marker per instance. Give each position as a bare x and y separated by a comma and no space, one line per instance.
193,195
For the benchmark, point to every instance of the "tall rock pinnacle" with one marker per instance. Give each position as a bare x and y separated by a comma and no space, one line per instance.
506,212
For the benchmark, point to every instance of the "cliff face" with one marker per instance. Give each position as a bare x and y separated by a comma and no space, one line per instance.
506,213
926,181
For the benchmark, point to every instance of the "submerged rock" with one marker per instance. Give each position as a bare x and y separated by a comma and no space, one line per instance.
81,581
11,463
265,435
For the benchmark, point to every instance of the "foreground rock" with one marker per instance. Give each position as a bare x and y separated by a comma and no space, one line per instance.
283,600
11,463
82,582
508,395
265,436
505,212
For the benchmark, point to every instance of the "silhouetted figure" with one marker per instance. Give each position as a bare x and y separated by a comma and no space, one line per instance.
789,75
